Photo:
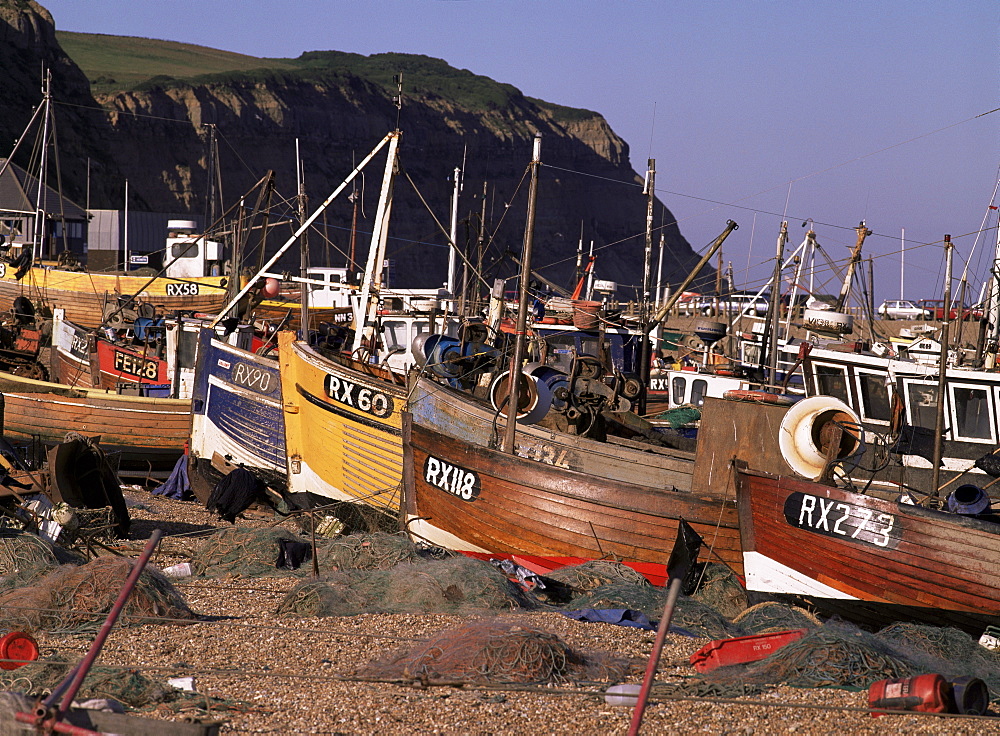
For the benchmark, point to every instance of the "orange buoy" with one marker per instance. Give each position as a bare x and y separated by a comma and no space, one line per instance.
925,693
761,397
16,650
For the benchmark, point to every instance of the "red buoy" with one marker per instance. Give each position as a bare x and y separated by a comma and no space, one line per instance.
271,288
925,693
16,650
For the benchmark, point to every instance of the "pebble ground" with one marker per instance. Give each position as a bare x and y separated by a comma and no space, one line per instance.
264,674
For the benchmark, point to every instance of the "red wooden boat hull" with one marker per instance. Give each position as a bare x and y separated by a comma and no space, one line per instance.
469,497
865,558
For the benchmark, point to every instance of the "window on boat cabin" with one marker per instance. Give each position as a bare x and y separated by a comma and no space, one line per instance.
678,388
185,250
699,387
831,380
394,336
971,406
874,395
187,348
921,403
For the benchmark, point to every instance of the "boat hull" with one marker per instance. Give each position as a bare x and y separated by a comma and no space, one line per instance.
83,294
236,413
343,428
865,558
149,433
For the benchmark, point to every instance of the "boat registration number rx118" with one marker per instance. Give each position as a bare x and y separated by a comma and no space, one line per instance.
847,521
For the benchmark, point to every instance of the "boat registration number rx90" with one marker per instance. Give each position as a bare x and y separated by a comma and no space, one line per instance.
847,521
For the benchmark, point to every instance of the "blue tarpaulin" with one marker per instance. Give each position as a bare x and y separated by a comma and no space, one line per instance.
177,484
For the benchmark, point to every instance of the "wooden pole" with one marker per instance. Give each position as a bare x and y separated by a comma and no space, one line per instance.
654,657
942,399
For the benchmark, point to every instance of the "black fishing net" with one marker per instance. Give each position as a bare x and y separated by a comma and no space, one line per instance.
456,585
498,652
76,599
377,551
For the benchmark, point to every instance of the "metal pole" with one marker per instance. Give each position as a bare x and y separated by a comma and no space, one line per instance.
942,398
303,245
671,300
514,375
654,658
659,274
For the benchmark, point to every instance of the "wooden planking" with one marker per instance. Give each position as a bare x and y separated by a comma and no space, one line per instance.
532,508
940,562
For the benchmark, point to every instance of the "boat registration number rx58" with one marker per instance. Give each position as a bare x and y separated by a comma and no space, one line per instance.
847,521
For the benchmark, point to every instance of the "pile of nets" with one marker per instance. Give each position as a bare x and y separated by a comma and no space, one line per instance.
25,557
454,585
841,655
595,573
256,552
76,599
770,616
498,652
128,687
719,588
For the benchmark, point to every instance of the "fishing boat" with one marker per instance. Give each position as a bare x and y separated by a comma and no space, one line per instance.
145,434
557,494
870,557
236,413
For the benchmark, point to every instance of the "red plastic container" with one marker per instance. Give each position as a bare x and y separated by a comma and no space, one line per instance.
926,693
18,646
742,649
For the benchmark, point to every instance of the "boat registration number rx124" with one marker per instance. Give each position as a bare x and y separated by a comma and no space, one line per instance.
846,521
452,479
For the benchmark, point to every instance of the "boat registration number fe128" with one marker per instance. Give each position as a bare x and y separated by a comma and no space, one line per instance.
847,521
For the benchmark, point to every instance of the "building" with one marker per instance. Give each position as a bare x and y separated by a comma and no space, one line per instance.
64,228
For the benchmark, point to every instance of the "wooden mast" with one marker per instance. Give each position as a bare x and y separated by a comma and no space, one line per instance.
514,375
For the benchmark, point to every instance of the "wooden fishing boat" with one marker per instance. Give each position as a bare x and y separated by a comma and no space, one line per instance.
236,414
85,295
558,494
149,433
868,559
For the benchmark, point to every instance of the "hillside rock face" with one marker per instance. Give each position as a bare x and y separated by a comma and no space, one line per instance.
156,136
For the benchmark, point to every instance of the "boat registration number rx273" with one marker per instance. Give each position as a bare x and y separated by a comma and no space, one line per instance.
452,479
847,521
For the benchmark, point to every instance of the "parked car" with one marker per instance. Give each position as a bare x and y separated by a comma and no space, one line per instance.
935,307
734,303
902,309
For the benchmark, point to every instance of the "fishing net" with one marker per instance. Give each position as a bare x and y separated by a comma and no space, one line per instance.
456,585
594,574
241,552
720,588
689,614
74,599
498,652
23,556
769,616
126,686
378,551
682,415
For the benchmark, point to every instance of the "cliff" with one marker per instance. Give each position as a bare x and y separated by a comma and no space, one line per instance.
337,106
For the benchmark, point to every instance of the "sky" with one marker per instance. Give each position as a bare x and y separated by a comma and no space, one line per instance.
834,112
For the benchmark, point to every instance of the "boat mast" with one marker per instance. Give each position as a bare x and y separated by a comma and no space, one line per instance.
364,323
845,290
992,311
303,245
514,375
773,318
646,279
38,237
942,370
452,257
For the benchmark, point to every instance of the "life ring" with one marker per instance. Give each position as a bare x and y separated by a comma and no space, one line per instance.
761,397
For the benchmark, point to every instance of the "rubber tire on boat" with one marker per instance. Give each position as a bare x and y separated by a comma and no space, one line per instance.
760,397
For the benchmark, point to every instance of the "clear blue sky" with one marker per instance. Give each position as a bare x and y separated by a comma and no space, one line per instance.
837,111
